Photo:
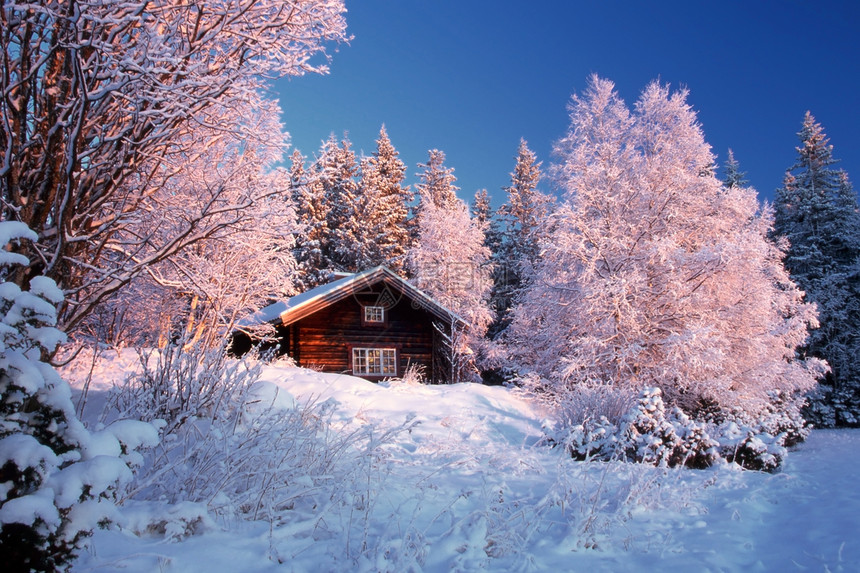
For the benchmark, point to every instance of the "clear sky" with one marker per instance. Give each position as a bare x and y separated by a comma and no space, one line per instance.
471,77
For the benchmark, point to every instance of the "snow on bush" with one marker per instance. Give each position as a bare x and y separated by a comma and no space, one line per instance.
58,482
234,446
650,434
761,442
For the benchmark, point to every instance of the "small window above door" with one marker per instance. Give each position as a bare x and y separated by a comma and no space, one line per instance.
373,315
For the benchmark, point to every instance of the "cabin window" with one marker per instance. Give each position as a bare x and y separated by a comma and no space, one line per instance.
374,361
374,314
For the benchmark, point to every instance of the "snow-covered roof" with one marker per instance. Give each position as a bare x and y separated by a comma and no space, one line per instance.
295,308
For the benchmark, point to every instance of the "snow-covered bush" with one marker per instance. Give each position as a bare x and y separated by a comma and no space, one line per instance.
650,434
645,434
761,441
239,447
57,481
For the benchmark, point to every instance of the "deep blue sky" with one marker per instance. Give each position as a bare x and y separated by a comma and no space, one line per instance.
471,77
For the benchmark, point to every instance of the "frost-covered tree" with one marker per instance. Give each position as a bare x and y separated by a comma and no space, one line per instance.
732,174
243,261
450,262
484,215
384,208
817,214
57,483
336,172
308,197
655,273
100,98
482,211
436,182
523,222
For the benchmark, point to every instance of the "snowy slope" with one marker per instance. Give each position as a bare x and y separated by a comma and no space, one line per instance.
468,486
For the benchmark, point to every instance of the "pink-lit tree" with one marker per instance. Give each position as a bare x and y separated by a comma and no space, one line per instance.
657,275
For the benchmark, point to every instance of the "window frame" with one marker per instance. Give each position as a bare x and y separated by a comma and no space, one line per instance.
383,312
380,360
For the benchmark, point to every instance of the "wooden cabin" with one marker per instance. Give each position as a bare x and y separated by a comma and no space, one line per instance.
372,324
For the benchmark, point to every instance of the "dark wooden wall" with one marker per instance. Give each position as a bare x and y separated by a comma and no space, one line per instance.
324,340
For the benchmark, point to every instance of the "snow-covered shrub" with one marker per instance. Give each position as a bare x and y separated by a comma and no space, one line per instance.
414,375
646,433
587,417
241,447
650,434
57,481
180,383
748,448
782,417
761,441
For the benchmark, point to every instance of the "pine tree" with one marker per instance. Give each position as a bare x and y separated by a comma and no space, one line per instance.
817,214
648,284
385,207
308,196
523,219
337,172
58,484
733,176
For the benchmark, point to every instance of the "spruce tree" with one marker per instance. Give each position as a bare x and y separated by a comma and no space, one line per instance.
57,483
337,170
732,175
308,196
484,215
437,181
384,208
817,215
523,219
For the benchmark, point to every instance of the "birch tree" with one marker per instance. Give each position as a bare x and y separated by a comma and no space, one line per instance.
450,262
246,257
657,275
98,102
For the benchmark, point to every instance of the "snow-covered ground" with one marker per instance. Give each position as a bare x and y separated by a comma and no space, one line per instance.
467,485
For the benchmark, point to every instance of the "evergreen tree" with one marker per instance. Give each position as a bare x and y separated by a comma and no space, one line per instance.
648,284
733,176
817,214
384,208
484,215
437,182
58,483
308,196
524,221
337,171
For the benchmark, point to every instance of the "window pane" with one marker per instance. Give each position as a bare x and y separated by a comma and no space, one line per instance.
359,361
389,362
374,314
373,364
374,361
